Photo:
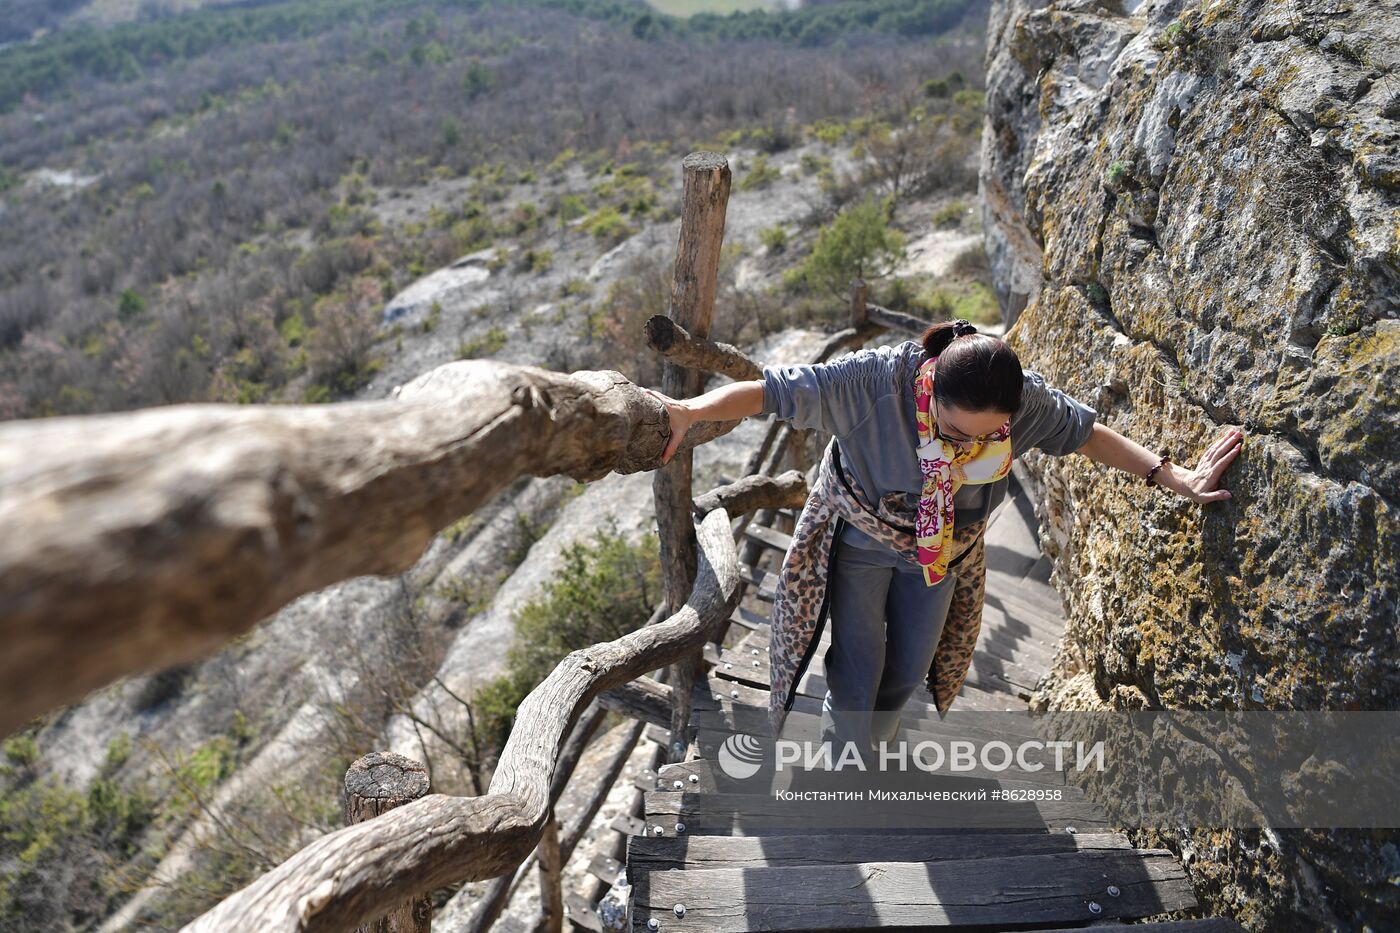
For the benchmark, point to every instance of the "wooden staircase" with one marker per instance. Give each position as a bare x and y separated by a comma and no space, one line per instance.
703,860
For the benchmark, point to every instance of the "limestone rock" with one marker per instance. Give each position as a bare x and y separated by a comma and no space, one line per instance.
1191,212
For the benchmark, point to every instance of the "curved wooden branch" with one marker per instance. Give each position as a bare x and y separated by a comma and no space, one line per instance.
896,320
145,539
785,491
676,344
357,874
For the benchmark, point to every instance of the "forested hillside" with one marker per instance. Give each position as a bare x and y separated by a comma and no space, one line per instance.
185,197
319,199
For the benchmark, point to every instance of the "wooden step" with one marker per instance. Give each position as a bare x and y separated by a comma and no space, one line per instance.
763,814
990,659
605,868
711,691
664,853
1049,887
971,698
1039,598
581,913
751,620
769,537
746,667
1018,675
765,583
1202,925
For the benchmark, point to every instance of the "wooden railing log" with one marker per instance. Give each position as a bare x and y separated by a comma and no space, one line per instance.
487,908
674,343
150,538
784,491
359,873
896,320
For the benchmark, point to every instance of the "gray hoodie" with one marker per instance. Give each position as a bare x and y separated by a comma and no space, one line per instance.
866,399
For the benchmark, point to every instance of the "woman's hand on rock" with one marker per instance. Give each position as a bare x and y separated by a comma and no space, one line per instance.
681,417
1203,483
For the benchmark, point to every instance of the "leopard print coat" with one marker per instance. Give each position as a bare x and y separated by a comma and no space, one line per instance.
800,606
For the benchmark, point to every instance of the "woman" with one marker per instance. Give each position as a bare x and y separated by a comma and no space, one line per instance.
891,537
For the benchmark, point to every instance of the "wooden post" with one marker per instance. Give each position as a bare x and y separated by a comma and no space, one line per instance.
693,288
551,887
860,314
376,783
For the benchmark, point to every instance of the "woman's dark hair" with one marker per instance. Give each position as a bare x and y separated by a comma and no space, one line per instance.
976,372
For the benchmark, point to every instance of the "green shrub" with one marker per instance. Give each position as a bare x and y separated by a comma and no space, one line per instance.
759,175
22,749
432,318
489,343
130,304
813,164
973,301
774,239
603,588
607,224
477,78
536,261
950,215
1116,172
859,243
575,286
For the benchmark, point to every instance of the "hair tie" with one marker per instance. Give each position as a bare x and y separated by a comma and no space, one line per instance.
962,327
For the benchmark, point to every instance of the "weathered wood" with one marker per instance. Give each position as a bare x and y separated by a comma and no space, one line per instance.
357,874
487,908
755,492
605,868
896,320
784,434
582,914
750,620
693,287
1013,890
860,314
551,890
627,825
151,538
777,540
663,853
375,784
759,814
675,343
643,699
1203,925
767,583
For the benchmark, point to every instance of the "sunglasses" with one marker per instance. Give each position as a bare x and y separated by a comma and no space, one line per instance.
938,430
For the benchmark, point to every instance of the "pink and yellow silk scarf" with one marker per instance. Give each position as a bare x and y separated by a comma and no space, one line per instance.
945,467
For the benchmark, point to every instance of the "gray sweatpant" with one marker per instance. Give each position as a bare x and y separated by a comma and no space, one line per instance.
885,622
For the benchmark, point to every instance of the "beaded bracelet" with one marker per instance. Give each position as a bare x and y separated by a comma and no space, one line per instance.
1148,478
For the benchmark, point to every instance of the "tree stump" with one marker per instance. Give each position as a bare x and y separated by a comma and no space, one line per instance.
375,784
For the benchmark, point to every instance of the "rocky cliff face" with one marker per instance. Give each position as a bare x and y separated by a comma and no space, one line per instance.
1193,214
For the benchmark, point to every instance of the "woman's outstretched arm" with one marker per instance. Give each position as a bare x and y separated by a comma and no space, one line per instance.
1107,446
727,403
